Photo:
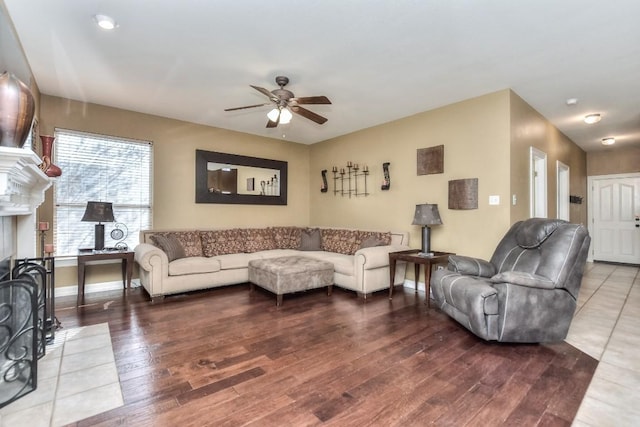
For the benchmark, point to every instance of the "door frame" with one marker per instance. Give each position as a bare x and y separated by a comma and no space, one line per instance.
563,183
590,198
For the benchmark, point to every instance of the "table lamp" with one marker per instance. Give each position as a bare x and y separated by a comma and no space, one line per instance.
99,212
426,215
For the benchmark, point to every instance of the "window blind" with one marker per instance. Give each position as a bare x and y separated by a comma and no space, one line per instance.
100,168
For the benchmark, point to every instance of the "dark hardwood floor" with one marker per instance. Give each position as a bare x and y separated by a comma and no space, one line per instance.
227,357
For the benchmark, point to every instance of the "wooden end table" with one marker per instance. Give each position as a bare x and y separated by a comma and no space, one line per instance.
411,255
86,256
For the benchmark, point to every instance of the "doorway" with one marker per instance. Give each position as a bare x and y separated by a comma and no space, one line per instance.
614,218
538,183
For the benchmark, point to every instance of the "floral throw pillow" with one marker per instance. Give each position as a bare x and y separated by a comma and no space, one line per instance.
340,241
222,242
258,239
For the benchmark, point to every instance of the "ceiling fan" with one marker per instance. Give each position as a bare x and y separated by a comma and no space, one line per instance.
285,103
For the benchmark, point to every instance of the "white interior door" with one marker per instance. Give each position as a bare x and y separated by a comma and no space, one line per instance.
562,173
538,183
615,218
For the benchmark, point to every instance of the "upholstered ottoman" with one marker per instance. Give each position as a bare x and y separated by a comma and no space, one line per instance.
289,274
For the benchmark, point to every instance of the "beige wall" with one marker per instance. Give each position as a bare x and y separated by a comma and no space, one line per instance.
613,161
530,129
486,138
475,135
175,143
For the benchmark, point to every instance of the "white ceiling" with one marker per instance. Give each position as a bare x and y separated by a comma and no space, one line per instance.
376,60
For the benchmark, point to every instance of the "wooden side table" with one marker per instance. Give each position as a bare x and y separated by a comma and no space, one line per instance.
411,255
85,257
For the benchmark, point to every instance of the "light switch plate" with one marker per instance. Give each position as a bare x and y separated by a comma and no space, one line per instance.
494,200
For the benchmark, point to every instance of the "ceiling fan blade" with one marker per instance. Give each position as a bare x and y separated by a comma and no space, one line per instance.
272,124
247,106
311,100
266,93
308,114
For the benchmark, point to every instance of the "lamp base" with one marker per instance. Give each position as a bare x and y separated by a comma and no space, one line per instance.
99,237
426,239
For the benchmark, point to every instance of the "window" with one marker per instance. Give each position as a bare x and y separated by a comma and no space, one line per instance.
100,168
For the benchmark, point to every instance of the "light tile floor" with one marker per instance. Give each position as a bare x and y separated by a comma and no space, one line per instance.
77,378
607,327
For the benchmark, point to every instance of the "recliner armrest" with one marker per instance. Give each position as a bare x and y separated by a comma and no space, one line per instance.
523,279
471,266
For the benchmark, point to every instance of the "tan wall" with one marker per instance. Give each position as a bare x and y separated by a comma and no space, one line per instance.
530,129
613,161
475,135
175,143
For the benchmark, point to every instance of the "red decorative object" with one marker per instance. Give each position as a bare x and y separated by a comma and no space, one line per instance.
47,167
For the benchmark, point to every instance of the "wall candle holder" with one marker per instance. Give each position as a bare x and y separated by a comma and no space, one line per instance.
351,175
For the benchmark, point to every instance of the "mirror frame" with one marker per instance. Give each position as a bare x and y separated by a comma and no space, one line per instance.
202,192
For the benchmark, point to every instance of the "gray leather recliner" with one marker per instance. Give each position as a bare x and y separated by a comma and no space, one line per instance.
527,292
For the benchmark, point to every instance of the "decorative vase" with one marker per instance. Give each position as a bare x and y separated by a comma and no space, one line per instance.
18,107
47,167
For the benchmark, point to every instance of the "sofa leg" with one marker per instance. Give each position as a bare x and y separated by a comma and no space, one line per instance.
157,299
329,290
363,295
278,300
252,287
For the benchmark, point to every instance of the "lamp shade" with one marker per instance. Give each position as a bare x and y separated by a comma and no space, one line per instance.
98,212
427,214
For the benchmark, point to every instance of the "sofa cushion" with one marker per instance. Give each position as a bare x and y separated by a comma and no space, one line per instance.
193,265
222,242
343,264
281,237
310,239
189,240
340,241
170,246
368,239
239,260
258,239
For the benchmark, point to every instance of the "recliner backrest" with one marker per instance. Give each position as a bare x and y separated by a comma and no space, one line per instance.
546,247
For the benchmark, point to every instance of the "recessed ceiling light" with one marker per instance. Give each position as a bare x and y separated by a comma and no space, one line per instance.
572,101
608,141
592,118
105,22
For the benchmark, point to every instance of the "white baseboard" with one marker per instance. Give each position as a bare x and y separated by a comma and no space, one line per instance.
66,291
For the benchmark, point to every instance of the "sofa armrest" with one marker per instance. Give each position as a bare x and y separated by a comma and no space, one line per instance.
376,256
144,254
471,266
523,279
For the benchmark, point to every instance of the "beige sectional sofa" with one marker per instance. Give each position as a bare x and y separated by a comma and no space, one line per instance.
175,261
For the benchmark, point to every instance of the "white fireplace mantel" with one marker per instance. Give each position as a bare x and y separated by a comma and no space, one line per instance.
22,183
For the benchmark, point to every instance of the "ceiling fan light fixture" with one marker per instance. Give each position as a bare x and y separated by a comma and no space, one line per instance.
592,118
608,141
285,116
273,114
284,113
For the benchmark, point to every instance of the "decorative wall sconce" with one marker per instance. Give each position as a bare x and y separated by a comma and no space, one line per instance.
386,183
325,186
575,199
351,175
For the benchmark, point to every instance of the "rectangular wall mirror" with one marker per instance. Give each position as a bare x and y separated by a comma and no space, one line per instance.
235,179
